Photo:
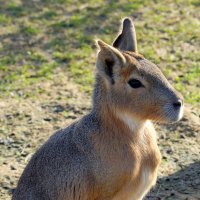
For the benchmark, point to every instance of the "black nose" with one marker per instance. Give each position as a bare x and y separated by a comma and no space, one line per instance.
177,104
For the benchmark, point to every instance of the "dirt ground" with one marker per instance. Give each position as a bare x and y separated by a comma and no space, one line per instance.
26,123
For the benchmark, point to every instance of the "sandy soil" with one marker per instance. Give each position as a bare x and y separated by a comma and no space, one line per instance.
25,123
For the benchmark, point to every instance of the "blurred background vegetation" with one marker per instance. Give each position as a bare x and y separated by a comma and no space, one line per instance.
38,38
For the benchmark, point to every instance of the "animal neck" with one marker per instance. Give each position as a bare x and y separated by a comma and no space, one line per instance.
133,124
111,117
99,94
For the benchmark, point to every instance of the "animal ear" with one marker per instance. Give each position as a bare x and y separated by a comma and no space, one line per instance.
127,38
109,61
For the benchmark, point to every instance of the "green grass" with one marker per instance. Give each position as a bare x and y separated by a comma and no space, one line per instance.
14,10
39,37
28,30
4,19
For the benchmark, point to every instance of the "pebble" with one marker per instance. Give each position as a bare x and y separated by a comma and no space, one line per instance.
12,167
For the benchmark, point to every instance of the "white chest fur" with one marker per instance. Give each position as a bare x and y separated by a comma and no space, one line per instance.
145,184
137,189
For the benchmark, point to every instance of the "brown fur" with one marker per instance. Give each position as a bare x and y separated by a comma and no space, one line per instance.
111,153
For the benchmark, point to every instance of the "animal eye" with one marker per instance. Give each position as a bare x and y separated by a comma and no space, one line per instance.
134,83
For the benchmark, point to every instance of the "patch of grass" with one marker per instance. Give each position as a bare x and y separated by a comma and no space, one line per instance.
29,30
15,10
57,1
18,79
79,66
63,32
35,56
50,14
46,70
61,57
56,43
4,20
82,74
187,84
193,73
8,60
195,3
59,25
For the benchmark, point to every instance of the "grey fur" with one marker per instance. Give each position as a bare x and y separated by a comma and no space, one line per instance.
67,152
69,166
127,38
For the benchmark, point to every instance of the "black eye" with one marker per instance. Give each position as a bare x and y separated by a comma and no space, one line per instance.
134,83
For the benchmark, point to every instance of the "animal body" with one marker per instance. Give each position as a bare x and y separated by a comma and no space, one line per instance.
111,153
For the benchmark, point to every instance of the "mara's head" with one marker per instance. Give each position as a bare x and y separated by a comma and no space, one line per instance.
133,85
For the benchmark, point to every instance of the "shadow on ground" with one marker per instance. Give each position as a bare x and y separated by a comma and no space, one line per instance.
178,186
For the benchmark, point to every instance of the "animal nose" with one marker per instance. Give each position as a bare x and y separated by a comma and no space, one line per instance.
177,104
